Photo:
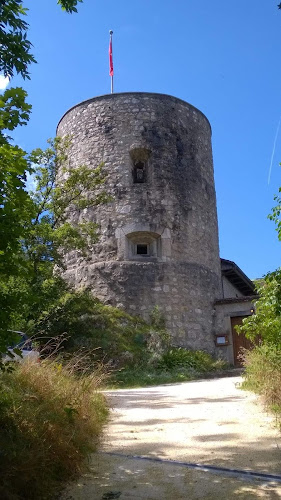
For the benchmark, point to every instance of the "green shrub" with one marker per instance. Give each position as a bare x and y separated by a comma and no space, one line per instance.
116,337
174,365
265,324
50,420
196,360
263,374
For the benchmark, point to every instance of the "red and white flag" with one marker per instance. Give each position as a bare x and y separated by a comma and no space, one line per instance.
110,57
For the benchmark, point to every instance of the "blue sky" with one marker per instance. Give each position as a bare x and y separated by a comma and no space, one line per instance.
222,57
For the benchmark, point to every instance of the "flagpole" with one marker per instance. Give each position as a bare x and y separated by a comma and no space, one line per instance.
111,33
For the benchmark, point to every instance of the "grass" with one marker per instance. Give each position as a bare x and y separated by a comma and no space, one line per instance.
263,375
50,420
52,415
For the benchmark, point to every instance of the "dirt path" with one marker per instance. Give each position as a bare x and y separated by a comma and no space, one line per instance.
208,422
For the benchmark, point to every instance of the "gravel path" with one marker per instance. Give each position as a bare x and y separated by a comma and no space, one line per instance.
209,422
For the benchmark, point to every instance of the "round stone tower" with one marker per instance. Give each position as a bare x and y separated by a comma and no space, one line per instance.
158,243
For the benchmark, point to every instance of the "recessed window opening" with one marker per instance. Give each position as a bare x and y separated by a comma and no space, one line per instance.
139,172
142,249
140,161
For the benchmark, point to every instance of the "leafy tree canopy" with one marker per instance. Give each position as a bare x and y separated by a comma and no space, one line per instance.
33,227
14,200
275,215
15,48
15,55
42,232
266,322
69,5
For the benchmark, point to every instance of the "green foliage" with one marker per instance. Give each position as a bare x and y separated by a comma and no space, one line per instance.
178,357
173,365
137,352
157,318
50,420
14,110
266,322
69,5
36,233
60,192
15,48
263,375
15,204
145,376
275,214
16,207
28,243
117,338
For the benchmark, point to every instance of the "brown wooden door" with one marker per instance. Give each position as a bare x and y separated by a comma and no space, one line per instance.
239,341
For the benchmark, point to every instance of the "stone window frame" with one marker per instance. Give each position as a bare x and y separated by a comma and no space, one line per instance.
152,240
157,238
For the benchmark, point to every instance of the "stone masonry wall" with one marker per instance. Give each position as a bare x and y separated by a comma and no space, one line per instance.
175,208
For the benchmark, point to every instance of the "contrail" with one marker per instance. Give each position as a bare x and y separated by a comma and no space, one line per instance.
273,151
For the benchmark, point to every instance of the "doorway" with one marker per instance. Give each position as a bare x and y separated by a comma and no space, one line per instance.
239,341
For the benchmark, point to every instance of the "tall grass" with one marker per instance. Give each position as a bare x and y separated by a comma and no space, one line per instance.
50,420
263,375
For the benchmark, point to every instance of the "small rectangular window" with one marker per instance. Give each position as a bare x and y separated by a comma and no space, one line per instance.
142,249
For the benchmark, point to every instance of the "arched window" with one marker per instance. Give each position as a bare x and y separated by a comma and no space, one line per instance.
139,157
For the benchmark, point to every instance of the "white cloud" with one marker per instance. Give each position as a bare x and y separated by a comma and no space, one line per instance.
3,82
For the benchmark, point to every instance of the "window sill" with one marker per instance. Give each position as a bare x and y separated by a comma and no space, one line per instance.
143,258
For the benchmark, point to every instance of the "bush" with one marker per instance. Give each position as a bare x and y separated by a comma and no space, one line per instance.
265,324
179,357
116,337
174,365
137,352
50,420
263,374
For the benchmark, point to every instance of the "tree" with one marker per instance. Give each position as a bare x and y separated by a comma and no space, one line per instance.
275,214
15,57
47,233
60,191
15,48
266,322
18,210
14,200
69,5
15,203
